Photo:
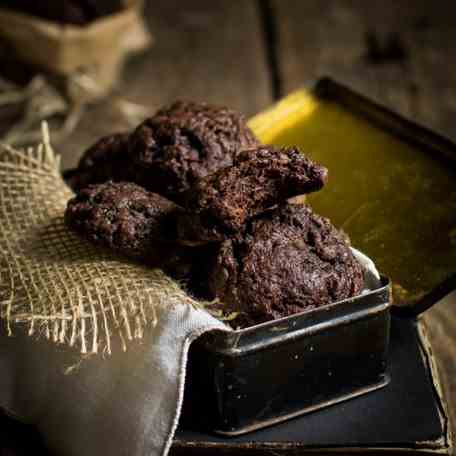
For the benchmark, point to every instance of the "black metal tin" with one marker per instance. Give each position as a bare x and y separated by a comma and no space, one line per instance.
252,378
248,379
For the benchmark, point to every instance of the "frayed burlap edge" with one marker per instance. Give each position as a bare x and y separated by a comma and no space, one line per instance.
60,286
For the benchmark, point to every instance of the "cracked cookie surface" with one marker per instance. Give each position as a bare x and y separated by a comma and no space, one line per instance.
289,260
124,217
219,205
105,160
185,142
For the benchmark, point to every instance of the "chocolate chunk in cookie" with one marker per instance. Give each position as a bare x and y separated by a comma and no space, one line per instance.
105,160
126,218
219,205
185,142
289,260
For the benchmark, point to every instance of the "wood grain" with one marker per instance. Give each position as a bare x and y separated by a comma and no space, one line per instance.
399,54
203,50
409,72
441,325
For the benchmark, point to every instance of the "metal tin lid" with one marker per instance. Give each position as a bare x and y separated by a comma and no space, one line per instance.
391,184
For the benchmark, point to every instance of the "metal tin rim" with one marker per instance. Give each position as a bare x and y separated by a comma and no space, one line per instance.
385,285
308,322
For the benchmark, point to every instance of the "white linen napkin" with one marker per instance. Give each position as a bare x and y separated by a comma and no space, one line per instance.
127,403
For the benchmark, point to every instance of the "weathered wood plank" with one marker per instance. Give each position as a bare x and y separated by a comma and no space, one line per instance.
203,50
334,41
441,324
398,53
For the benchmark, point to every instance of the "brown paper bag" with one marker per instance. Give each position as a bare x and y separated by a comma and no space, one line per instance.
96,50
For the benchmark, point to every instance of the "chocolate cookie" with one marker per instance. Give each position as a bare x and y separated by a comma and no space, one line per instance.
105,160
125,217
219,205
289,260
185,142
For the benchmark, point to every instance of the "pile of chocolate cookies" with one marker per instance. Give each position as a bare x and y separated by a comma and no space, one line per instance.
191,190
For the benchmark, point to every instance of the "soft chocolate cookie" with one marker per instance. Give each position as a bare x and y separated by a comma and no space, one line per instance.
219,205
126,218
289,260
185,142
105,160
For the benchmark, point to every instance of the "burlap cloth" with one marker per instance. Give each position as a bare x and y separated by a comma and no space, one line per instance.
93,348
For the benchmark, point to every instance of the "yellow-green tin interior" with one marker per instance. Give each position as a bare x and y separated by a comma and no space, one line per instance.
396,201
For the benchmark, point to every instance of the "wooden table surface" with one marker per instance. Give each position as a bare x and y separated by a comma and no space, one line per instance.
248,53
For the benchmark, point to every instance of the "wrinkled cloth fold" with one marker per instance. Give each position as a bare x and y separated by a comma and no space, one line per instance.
93,349
127,403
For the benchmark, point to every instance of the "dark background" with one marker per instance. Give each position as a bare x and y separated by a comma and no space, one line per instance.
248,53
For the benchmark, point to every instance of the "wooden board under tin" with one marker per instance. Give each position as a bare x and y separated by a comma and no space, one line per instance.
406,417
392,183
391,187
